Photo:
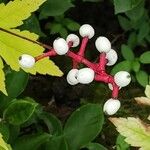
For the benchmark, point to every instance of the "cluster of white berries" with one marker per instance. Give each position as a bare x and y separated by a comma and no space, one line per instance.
86,75
83,76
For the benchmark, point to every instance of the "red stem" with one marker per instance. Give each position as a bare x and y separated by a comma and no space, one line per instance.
102,62
47,54
83,46
80,59
99,68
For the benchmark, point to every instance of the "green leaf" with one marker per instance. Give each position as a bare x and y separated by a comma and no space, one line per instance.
4,130
14,88
56,143
53,124
132,40
121,144
54,8
142,78
32,24
95,146
15,11
124,23
3,144
134,130
124,65
18,112
55,28
127,52
145,57
2,78
14,132
83,126
91,0
63,32
136,66
147,91
30,142
123,6
71,24
144,31
132,14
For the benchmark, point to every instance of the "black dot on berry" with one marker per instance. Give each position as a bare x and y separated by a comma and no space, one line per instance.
128,76
20,58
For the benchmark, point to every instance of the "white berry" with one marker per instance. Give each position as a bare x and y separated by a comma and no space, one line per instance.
111,57
26,61
103,44
122,78
60,46
86,30
74,39
85,75
111,106
72,77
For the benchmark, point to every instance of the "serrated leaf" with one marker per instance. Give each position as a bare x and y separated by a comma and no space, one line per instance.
11,52
13,14
143,101
127,52
54,8
3,144
147,91
2,78
134,130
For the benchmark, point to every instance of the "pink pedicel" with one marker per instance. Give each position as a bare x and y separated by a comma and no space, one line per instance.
79,58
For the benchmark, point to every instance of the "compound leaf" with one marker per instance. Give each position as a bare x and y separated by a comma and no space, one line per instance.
134,130
13,14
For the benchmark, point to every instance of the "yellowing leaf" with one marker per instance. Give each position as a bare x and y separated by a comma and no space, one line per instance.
147,91
143,100
12,47
11,52
3,144
16,11
134,130
2,78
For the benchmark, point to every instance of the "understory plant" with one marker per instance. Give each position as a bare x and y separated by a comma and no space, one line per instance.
24,123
